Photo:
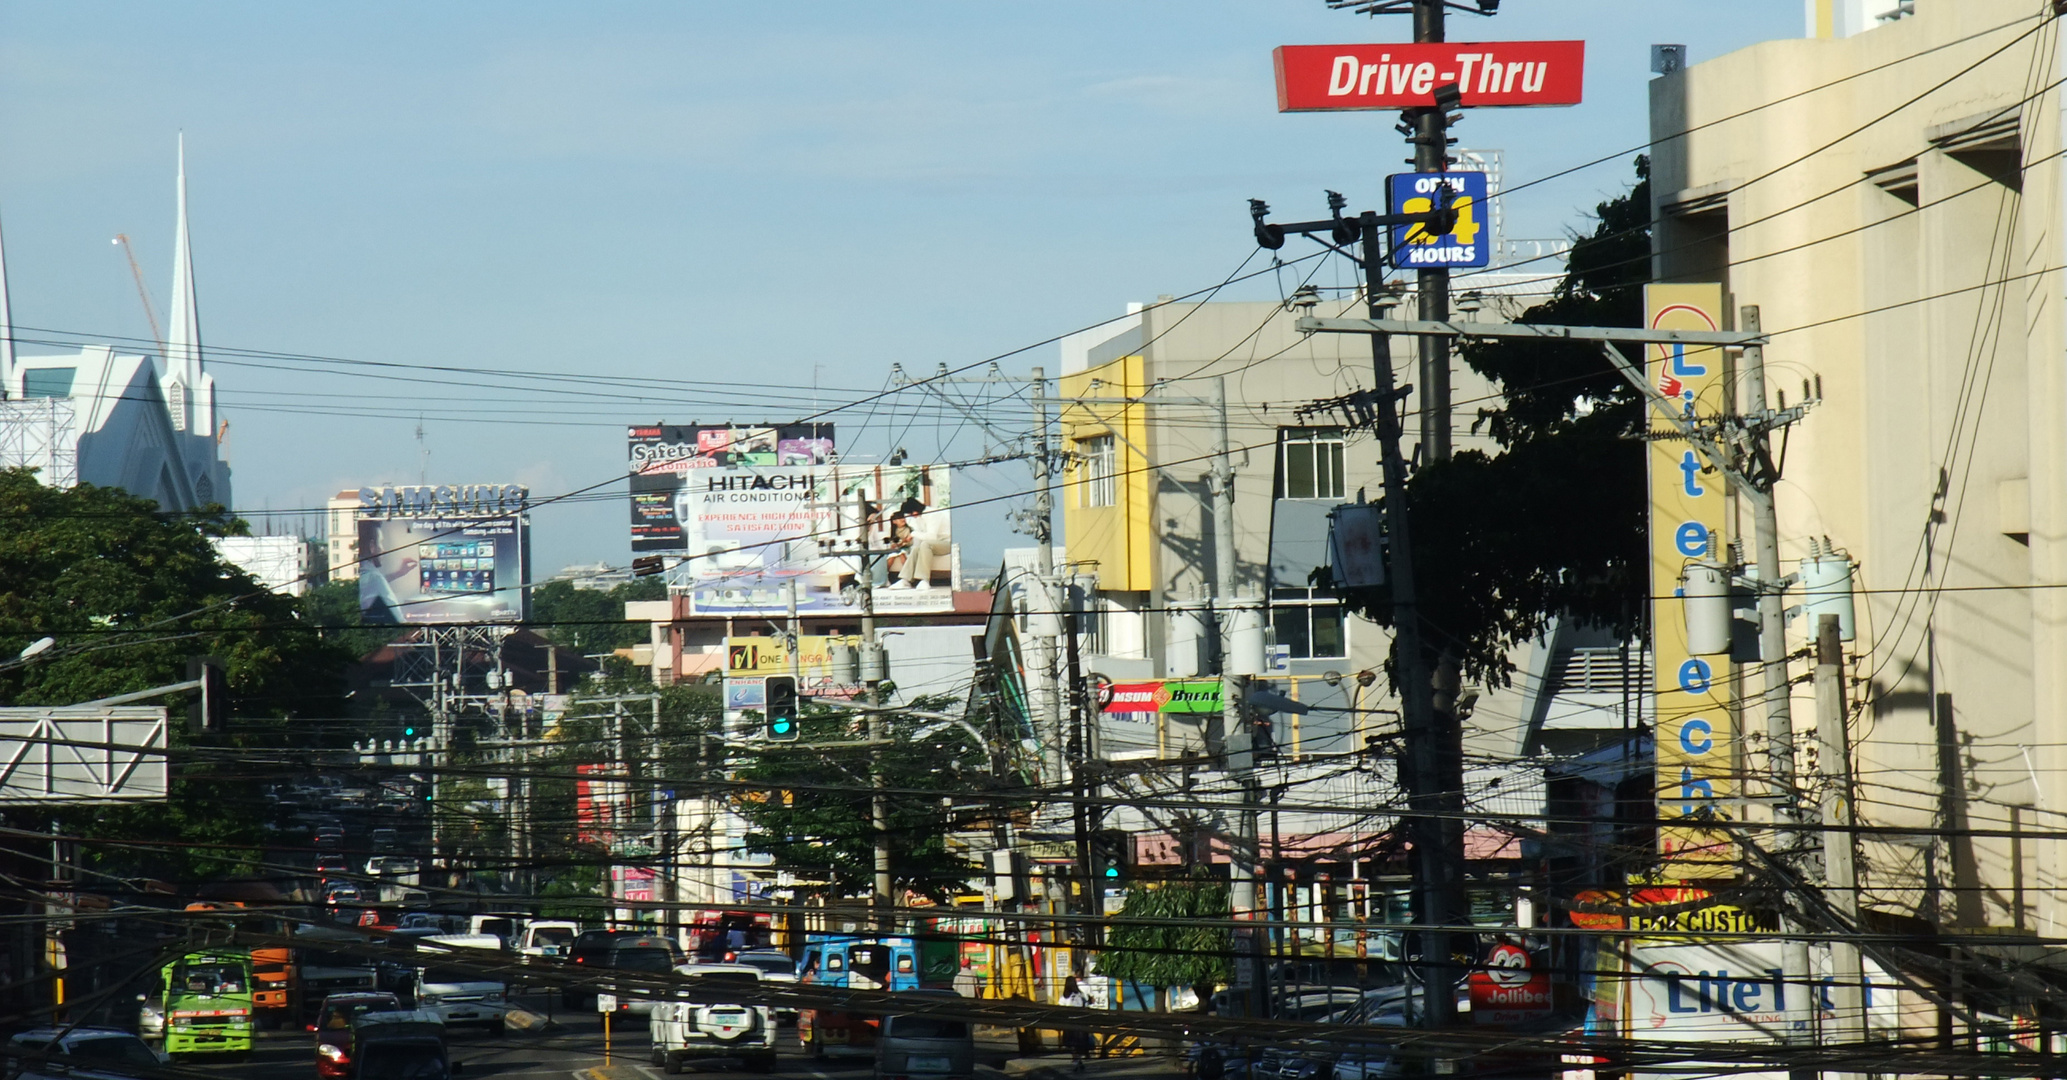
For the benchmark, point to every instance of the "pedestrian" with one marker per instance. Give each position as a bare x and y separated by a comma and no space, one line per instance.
1076,1037
968,983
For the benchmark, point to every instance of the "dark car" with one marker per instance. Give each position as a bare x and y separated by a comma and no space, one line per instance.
399,1046
334,1028
599,951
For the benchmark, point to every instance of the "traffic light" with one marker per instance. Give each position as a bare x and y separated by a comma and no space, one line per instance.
409,732
211,706
1111,854
781,710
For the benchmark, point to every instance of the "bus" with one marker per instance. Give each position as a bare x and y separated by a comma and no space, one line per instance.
713,936
208,1004
851,961
274,994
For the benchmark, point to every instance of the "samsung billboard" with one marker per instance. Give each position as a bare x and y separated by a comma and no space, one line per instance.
443,554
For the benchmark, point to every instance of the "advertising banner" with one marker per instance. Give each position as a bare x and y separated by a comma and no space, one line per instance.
442,569
664,456
753,535
1513,988
1709,993
759,657
1168,716
1696,720
1468,243
1332,78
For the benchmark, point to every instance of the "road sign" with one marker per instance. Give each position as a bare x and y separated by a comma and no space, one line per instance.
606,1003
112,753
1468,242
1332,78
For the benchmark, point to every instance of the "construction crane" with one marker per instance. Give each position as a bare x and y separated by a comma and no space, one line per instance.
142,293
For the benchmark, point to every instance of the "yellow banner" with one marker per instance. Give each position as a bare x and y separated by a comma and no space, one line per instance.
755,657
1696,727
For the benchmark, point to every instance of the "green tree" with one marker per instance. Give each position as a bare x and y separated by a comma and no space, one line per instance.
591,621
1552,526
334,608
1174,950
810,810
129,594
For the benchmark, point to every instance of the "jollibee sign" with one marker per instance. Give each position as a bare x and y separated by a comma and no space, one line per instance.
1328,78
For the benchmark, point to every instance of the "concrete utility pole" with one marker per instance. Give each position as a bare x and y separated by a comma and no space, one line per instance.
1050,700
1235,730
1840,874
1431,141
1772,655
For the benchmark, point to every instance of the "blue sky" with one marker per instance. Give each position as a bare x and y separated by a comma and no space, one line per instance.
747,198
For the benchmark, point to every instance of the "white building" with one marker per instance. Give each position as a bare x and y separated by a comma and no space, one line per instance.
144,423
289,565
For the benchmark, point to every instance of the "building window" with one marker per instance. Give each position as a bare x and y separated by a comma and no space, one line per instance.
1310,466
176,404
1101,468
47,382
1309,623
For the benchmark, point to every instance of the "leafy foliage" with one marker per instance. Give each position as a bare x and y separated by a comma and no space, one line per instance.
811,809
334,607
1175,950
591,621
1553,526
128,594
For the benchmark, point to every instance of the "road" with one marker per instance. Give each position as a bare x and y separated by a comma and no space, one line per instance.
569,1049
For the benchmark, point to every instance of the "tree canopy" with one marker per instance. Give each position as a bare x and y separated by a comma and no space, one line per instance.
1553,525
810,809
129,593
1175,950
591,621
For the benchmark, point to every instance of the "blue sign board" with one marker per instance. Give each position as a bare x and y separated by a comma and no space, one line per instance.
1469,243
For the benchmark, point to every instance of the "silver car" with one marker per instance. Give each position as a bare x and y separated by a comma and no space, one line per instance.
80,1054
917,1046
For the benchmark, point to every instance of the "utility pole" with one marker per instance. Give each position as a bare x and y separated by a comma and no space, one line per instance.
1431,139
1044,571
1235,731
872,678
1840,874
1772,655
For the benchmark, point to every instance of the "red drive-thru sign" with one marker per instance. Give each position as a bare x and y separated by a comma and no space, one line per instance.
1328,78
1510,990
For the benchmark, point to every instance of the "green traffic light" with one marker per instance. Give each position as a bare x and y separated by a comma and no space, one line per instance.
1112,871
408,731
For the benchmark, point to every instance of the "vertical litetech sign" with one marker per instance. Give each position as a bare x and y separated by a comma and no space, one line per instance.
1696,724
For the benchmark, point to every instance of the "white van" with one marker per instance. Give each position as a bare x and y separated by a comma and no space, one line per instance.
548,937
453,984
681,1030
506,925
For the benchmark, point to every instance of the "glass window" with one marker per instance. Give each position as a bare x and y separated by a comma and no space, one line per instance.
1310,466
1309,624
47,382
1101,464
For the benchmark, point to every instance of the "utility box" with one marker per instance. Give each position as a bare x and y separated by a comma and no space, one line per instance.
1705,598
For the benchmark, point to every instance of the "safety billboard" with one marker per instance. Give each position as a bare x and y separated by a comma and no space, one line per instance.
759,537
437,569
1697,726
664,456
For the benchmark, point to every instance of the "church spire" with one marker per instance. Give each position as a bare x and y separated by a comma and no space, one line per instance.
183,339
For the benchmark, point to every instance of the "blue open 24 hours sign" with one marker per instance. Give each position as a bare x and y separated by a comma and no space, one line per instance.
1469,244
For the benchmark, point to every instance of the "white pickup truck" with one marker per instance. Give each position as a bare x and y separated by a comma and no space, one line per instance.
682,1030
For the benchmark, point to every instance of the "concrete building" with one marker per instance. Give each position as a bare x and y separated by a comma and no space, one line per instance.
1888,193
291,565
145,423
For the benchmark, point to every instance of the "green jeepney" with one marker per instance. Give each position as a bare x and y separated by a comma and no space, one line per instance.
208,1004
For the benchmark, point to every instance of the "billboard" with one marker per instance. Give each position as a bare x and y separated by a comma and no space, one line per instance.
664,456
1334,78
1468,243
1696,720
754,534
1164,718
442,569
